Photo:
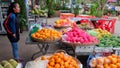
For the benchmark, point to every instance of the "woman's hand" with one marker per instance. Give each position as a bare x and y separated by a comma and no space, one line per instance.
14,35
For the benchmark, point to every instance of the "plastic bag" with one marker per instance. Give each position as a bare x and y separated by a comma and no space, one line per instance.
19,65
38,64
35,25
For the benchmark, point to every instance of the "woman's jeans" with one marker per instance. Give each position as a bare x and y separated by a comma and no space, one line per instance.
15,50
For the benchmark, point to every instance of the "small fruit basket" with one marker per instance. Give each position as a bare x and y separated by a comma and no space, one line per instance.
46,35
59,59
62,23
78,37
111,61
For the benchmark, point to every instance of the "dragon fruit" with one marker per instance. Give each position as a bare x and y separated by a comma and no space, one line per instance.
77,35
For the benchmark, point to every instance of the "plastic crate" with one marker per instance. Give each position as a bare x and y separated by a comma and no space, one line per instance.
84,50
104,51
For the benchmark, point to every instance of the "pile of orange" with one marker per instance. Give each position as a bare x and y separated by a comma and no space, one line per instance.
111,61
60,60
114,62
46,34
62,22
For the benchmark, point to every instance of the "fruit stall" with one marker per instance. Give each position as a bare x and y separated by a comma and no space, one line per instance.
76,36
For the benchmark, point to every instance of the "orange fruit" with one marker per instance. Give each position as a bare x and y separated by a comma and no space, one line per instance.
66,64
52,60
49,66
52,63
43,58
61,56
118,57
106,66
57,66
99,66
62,62
118,65
65,58
118,60
114,56
62,66
113,66
58,60
114,60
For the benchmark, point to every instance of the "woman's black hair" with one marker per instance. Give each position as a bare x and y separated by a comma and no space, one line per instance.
10,9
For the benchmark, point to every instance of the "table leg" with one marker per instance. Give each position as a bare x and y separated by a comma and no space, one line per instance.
45,48
42,50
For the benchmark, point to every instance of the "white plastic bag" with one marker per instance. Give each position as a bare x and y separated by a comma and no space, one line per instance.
38,64
19,65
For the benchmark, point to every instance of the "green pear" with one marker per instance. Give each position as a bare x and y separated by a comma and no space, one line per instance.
4,62
8,66
1,66
13,63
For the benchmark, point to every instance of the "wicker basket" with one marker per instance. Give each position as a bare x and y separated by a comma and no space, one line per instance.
85,27
58,51
45,41
77,44
60,27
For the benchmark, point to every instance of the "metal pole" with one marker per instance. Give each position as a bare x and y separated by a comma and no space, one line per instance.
71,3
27,12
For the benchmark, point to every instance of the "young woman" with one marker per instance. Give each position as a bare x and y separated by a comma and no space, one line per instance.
13,28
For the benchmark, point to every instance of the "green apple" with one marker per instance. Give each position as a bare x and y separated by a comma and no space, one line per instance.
13,63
